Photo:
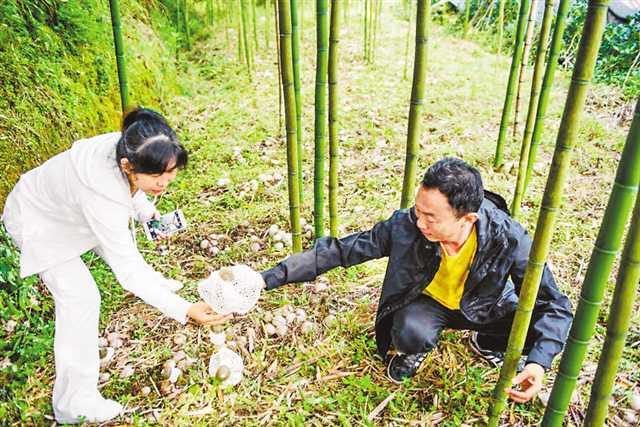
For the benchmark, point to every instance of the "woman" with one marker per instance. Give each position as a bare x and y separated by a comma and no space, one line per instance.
85,199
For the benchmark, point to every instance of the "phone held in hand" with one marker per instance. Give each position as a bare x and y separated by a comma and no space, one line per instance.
167,225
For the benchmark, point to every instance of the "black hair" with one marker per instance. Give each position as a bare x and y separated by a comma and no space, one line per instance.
459,182
149,143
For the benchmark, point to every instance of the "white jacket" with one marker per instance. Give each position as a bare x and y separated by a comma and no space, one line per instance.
77,201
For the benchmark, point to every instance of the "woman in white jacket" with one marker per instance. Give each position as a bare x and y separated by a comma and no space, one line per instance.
85,199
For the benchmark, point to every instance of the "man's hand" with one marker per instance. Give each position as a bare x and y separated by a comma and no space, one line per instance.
530,380
201,313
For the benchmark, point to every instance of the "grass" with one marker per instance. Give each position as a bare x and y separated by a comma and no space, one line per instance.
332,377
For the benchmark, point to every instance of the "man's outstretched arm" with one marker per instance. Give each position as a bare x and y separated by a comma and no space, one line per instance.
331,252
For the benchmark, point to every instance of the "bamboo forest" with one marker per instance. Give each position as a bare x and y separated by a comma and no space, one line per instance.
320,212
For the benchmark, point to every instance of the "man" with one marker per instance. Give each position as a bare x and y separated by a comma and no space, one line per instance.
456,260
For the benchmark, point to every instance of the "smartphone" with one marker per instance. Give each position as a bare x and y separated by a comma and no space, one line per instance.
167,225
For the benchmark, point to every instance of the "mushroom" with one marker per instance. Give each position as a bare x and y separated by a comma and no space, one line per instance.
269,329
308,327
255,247
180,340
204,244
230,360
127,371
145,390
634,402
278,246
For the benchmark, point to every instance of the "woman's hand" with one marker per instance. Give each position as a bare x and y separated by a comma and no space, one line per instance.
201,313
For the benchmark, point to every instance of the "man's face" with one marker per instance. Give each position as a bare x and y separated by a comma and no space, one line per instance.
437,220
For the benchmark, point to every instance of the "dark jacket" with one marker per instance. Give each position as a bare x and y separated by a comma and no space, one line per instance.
490,292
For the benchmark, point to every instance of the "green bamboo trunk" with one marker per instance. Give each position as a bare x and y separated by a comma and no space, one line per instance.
114,6
286,62
280,96
423,21
567,134
241,46
406,46
322,59
513,77
376,26
209,10
187,31
255,26
617,324
536,83
366,28
296,74
531,24
244,12
334,39
465,25
594,285
547,85
500,24
266,24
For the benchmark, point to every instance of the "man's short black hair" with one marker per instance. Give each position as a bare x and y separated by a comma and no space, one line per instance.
459,182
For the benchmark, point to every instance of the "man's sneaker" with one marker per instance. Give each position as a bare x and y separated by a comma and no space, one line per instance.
495,358
403,366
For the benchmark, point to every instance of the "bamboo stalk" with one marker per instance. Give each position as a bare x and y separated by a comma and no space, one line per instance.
567,134
245,37
280,95
500,24
376,25
423,20
607,246
366,27
334,39
116,26
513,76
255,27
523,65
286,61
187,31
536,83
266,24
241,46
465,25
322,58
547,84
296,75
617,324
406,47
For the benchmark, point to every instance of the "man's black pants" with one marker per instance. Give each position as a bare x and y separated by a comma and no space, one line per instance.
417,326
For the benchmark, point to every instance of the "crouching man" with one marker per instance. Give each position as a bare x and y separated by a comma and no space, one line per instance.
456,260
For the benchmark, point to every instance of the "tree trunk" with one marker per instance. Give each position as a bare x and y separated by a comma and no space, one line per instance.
547,84
569,125
406,47
594,285
617,324
322,58
114,6
531,24
545,30
423,21
296,75
334,141
513,76
244,11
286,61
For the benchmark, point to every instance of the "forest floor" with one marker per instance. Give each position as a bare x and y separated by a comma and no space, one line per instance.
332,376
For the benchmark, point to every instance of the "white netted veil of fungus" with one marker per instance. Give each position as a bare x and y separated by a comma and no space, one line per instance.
229,359
232,289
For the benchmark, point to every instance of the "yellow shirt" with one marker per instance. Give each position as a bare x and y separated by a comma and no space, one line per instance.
447,285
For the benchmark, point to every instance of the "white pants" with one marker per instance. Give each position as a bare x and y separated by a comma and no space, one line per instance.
77,361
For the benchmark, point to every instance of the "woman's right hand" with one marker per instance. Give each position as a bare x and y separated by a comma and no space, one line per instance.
201,313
